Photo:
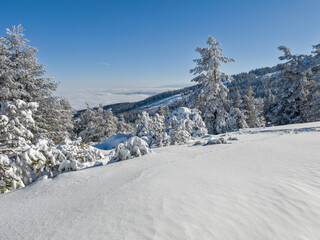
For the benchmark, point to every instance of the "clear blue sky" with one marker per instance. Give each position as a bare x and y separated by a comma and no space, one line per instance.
137,43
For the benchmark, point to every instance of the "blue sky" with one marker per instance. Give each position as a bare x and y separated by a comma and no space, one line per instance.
108,44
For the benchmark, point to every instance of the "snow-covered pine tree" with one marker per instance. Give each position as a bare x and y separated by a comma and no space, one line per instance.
24,76
111,123
269,103
96,125
54,118
211,98
250,110
293,82
86,124
24,159
143,124
314,93
123,126
16,124
23,162
158,135
164,111
184,123
237,113
238,100
21,77
80,123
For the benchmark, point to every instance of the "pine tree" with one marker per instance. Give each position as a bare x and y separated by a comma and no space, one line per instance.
143,124
211,98
123,126
21,77
184,123
293,82
250,110
23,159
314,94
269,103
237,113
164,111
158,135
92,125
96,125
16,124
54,118
111,123
238,100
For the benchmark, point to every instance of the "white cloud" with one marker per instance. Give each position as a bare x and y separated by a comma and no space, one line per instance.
94,96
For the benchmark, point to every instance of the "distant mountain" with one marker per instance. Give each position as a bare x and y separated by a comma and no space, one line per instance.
120,108
241,83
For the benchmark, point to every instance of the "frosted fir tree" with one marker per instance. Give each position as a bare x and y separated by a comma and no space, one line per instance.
111,123
123,126
211,98
4,70
22,161
237,114
82,121
158,135
269,103
143,124
314,94
164,111
96,125
23,158
250,110
184,123
17,124
9,175
293,82
238,100
21,77
54,119
87,125
78,155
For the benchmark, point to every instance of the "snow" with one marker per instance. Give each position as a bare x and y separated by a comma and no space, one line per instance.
113,141
266,185
163,102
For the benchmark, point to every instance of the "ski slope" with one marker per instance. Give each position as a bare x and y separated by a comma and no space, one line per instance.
163,102
266,185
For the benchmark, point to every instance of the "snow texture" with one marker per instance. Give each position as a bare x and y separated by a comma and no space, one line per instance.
133,147
266,185
113,141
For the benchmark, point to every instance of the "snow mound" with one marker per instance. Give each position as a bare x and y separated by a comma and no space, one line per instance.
213,141
266,186
113,141
232,138
134,147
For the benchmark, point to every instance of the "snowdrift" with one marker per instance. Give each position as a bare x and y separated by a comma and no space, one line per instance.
266,185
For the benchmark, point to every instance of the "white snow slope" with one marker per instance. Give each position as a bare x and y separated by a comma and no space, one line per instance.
163,102
264,186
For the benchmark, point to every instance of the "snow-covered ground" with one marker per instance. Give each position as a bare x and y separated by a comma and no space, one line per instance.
163,102
266,185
